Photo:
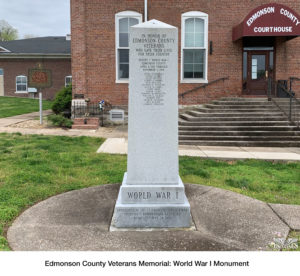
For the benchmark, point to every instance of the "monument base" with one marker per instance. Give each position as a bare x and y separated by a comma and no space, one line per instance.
152,215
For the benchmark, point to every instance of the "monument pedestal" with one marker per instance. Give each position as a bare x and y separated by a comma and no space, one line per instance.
152,193
151,206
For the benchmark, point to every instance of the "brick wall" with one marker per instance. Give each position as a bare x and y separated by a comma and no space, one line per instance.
93,45
14,67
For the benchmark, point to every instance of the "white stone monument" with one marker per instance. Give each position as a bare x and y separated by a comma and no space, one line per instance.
152,193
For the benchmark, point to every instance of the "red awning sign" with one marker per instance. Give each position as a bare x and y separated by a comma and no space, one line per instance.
269,20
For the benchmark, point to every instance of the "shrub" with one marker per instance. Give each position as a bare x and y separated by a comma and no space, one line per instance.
63,100
60,120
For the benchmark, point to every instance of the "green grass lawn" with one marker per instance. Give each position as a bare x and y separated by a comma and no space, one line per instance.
266,181
11,106
33,168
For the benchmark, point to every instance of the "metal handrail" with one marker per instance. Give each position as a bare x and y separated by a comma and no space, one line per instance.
291,96
202,86
85,110
291,83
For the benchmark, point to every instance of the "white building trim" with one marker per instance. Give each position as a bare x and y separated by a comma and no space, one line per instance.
4,50
184,17
118,16
22,83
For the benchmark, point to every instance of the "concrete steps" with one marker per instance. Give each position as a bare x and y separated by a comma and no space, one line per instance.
91,127
186,118
232,113
239,138
241,107
247,110
238,128
242,103
277,134
242,143
238,122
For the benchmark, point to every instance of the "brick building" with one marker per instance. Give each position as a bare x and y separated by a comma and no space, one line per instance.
18,56
226,47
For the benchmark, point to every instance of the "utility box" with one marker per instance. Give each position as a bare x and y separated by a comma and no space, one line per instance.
31,92
117,115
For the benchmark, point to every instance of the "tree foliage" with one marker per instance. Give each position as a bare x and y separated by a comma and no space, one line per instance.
7,32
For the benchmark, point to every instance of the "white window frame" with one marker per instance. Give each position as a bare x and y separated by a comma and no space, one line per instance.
66,80
118,16
23,91
184,17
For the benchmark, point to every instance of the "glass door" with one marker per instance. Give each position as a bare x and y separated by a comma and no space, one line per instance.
257,78
258,66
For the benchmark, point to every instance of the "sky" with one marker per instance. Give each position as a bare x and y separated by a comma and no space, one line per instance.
37,17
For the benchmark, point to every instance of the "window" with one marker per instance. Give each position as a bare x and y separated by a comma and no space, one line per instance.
124,20
68,80
194,41
21,84
1,72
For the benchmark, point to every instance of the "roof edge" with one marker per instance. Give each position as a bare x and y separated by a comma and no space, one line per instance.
24,55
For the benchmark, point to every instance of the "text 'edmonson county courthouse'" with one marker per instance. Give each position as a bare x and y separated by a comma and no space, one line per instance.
230,46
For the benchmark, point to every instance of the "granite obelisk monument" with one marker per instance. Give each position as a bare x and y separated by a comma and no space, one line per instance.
152,193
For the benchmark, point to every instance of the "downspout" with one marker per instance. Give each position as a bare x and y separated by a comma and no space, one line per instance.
146,10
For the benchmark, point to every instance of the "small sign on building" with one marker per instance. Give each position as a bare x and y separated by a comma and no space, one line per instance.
39,78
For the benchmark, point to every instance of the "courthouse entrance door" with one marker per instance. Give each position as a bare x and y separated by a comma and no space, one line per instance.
257,68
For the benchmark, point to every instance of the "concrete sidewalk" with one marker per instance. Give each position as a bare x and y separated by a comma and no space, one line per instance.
8,125
5,122
119,146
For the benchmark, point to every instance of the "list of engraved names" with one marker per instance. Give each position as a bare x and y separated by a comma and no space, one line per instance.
153,51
